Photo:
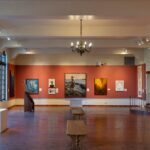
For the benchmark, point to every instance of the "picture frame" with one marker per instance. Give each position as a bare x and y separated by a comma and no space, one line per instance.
139,81
32,86
51,83
51,90
11,85
119,85
75,85
100,86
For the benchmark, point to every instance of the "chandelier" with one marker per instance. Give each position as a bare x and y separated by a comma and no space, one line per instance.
81,46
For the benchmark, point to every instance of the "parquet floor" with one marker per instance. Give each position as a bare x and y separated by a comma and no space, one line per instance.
109,128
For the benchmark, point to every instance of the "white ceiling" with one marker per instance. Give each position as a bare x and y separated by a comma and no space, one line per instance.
44,25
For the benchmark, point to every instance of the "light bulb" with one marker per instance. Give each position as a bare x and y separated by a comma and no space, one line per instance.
72,44
90,44
147,39
8,38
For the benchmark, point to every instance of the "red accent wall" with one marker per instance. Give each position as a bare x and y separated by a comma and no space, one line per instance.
43,73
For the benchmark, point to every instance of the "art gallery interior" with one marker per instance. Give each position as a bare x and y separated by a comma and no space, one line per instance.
65,57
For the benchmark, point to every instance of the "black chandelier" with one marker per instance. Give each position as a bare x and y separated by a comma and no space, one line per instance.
81,46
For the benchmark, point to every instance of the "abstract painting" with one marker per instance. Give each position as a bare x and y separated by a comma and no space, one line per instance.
100,86
32,86
75,85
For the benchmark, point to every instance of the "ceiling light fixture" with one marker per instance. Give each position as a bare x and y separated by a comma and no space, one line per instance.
125,51
81,46
143,41
8,38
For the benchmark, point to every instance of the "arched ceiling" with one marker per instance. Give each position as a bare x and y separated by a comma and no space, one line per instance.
45,26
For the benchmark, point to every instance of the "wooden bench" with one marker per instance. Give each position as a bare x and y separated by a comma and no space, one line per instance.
76,129
77,112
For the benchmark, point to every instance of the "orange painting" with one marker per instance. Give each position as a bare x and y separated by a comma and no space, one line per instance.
100,86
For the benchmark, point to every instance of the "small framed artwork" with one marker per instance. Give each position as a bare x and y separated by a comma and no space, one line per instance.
51,90
120,85
32,86
51,83
100,86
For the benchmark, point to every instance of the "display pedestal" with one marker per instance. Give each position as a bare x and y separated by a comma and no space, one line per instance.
3,119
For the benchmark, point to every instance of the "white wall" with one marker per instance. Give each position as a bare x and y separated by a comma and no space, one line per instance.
73,59
147,59
66,59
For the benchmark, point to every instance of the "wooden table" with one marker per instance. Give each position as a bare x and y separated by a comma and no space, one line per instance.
77,111
76,129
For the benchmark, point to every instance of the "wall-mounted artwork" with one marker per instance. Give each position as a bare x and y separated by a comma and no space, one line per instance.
51,86
75,85
32,86
51,83
100,86
139,80
119,85
11,75
51,90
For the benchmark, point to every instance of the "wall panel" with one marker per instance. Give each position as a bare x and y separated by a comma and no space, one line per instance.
43,73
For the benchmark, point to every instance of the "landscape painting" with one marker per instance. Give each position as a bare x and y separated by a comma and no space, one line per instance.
75,85
100,86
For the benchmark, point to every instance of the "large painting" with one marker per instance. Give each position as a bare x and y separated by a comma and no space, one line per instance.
11,75
75,85
139,80
100,86
32,86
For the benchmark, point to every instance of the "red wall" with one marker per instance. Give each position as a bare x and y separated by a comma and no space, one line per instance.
43,73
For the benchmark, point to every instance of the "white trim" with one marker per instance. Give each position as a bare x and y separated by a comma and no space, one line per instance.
83,101
45,101
8,103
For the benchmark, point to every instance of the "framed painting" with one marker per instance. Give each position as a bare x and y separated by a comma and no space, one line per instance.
51,83
11,86
51,90
32,86
139,81
75,85
120,85
100,86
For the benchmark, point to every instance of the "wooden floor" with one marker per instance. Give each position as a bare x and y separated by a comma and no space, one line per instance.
109,128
